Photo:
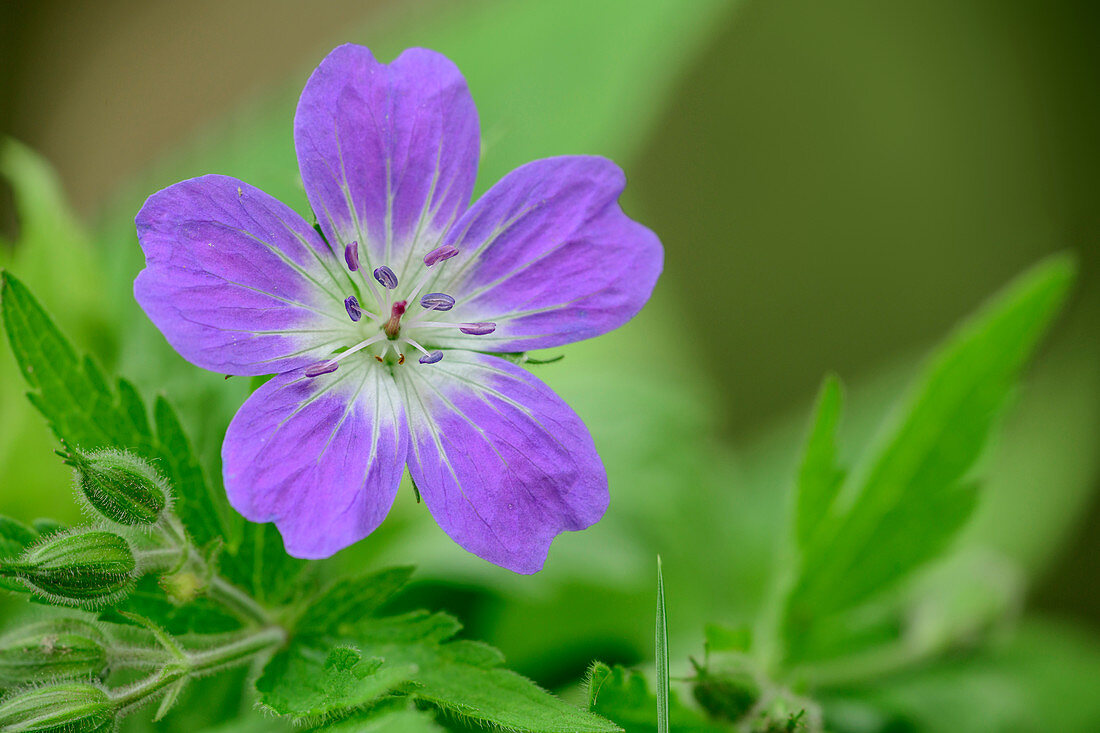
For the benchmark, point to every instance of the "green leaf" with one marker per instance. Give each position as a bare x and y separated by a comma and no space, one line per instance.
1043,678
622,696
80,408
366,658
257,561
308,682
819,477
52,254
393,714
148,599
15,537
352,599
909,503
661,654
718,638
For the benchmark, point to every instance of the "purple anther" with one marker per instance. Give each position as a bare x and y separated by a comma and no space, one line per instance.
437,301
432,358
351,255
439,254
477,329
351,303
385,277
321,367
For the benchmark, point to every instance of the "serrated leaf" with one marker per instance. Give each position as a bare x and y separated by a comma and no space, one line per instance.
348,600
394,714
463,677
819,476
196,504
623,696
906,507
309,682
256,560
82,409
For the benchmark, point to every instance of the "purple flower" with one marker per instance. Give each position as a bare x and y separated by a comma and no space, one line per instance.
241,284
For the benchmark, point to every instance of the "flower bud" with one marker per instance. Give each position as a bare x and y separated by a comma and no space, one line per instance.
53,649
120,486
67,707
81,569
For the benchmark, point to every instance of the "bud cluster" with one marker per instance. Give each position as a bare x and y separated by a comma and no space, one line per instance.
57,669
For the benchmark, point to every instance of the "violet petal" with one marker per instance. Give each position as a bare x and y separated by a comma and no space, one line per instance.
517,470
404,138
570,259
325,471
223,259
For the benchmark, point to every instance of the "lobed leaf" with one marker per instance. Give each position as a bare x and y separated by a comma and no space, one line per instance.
363,659
905,508
349,600
82,409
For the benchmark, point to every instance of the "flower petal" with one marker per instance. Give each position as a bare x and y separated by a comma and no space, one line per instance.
322,458
502,462
551,256
236,281
388,152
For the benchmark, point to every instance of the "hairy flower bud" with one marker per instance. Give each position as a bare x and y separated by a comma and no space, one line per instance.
54,649
120,486
67,707
81,569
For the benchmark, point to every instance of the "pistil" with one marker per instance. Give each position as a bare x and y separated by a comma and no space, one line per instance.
393,326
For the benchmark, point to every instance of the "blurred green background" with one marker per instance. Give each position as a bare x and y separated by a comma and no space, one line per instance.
835,185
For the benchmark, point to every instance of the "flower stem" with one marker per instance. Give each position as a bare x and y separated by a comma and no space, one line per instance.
238,602
244,606
241,649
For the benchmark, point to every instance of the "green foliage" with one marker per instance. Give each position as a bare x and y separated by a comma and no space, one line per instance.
914,495
623,696
359,659
82,410
343,662
351,598
1041,679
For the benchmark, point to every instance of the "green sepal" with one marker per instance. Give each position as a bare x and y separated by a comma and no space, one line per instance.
118,485
61,648
67,707
88,569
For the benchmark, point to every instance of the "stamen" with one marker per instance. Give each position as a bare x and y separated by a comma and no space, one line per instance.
477,329
321,367
385,277
437,302
418,347
440,254
432,358
353,349
351,255
351,304
393,326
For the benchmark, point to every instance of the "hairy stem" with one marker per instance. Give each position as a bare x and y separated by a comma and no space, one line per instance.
240,650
